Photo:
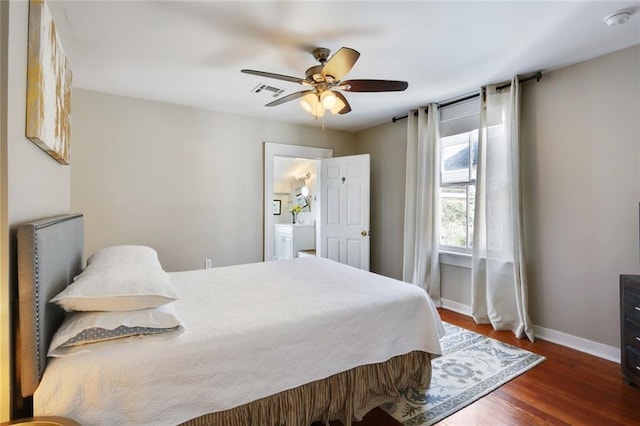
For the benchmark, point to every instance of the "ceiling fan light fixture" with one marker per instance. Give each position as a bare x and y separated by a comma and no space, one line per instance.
311,103
319,111
338,106
306,105
329,100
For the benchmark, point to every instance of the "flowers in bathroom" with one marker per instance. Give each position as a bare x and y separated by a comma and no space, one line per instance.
295,209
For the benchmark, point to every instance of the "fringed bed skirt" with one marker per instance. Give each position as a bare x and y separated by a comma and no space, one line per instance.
345,396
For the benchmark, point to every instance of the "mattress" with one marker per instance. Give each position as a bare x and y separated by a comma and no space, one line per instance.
250,331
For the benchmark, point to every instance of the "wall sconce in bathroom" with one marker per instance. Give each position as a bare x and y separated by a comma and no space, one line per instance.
303,177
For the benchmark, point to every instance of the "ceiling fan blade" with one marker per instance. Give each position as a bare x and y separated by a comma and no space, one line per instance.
340,63
273,75
288,98
346,108
375,85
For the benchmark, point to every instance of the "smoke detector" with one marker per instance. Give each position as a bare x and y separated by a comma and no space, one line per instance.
617,18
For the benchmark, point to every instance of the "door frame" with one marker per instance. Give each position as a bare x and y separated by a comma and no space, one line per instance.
272,150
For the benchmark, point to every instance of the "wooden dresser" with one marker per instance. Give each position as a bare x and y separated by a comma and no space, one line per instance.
630,328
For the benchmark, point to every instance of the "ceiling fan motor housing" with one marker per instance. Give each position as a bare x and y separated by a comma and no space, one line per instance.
315,73
321,54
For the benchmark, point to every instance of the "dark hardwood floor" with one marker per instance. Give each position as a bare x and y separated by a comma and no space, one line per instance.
568,388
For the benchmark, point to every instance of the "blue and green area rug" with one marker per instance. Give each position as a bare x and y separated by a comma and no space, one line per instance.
472,365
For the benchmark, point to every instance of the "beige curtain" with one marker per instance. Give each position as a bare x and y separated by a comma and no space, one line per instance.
499,286
422,202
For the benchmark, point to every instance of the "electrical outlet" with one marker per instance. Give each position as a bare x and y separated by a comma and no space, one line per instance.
208,264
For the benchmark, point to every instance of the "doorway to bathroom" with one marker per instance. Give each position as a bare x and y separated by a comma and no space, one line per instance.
330,199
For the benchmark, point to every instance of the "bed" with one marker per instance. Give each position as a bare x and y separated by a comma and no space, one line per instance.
283,342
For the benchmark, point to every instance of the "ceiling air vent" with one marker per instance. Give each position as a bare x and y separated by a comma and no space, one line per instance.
270,90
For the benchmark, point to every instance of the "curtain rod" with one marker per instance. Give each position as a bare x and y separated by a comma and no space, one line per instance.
537,76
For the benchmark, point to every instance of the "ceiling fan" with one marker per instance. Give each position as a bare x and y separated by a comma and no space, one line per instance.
325,81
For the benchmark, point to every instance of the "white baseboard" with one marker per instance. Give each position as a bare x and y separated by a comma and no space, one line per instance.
600,350
456,307
610,353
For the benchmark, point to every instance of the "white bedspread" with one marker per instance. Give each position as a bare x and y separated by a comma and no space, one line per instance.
250,331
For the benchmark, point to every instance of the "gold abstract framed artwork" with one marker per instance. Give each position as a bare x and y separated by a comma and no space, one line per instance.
48,85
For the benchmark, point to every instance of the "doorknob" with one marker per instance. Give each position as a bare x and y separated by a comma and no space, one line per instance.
365,233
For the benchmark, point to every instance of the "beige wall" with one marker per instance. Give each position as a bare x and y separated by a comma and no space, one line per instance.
581,166
33,184
387,145
186,181
456,286
581,151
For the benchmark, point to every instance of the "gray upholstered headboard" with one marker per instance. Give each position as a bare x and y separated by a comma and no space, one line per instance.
49,256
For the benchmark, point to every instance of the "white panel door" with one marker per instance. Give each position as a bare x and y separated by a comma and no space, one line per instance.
344,229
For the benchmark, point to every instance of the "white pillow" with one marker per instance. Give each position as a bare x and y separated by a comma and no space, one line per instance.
81,330
117,287
139,255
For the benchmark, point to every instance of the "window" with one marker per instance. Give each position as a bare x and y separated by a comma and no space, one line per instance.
459,157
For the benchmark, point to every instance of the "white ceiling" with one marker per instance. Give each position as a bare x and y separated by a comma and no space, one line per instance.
191,53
